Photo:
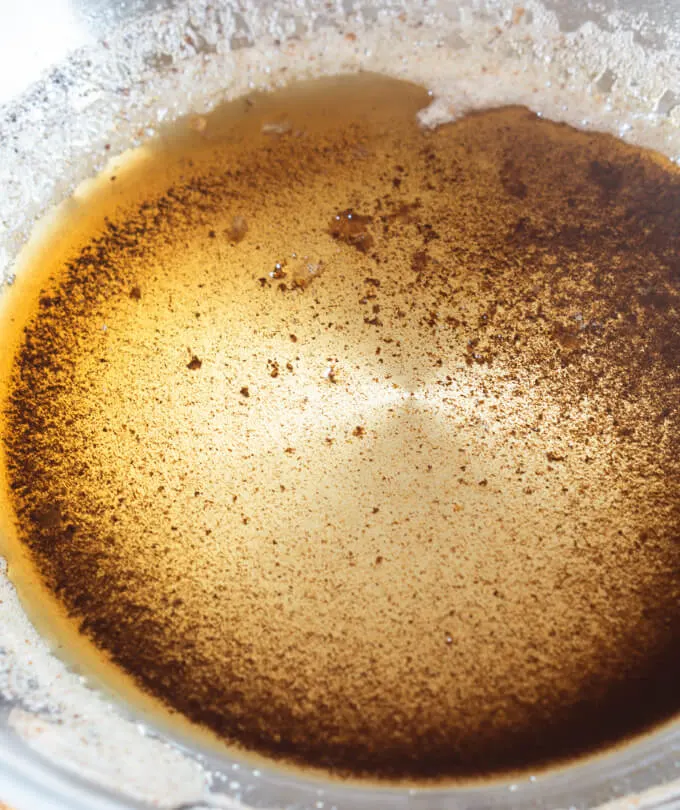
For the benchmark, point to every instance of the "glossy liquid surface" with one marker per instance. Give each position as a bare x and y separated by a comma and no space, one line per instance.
356,443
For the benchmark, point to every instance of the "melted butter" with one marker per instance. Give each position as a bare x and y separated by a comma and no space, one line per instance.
353,444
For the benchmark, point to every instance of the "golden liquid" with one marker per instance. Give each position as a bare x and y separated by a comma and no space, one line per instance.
356,444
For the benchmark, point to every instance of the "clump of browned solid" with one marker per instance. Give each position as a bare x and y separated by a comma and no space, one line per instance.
416,520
